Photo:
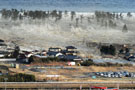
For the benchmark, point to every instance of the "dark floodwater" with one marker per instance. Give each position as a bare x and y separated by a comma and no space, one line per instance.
71,5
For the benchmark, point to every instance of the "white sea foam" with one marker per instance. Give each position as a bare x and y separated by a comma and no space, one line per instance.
47,33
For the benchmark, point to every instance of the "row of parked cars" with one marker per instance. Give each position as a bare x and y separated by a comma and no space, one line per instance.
119,74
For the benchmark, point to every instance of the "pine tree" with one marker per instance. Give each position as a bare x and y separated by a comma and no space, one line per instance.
125,29
72,15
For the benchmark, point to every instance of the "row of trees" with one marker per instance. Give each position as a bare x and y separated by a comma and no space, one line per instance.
107,19
15,14
107,64
108,15
18,78
33,59
104,18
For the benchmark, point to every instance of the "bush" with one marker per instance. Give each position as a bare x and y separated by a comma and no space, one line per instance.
110,50
18,78
87,63
108,64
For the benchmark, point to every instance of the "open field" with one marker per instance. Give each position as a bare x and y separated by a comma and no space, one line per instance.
74,73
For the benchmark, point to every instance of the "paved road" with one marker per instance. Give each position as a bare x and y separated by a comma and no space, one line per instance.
64,85
129,82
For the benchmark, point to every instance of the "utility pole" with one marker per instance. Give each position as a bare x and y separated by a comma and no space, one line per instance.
80,87
5,79
118,87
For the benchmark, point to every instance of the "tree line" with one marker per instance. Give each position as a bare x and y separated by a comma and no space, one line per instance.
15,14
18,78
108,19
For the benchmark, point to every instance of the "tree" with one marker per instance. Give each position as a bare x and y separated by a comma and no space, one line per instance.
15,13
66,12
127,50
125,29
60,15
121,17
72,15
104,50
109,50
112,50
54,13
121,51
129,14
110,23
20,17
31,59
87,63
16,52
77,21
81,18
88,19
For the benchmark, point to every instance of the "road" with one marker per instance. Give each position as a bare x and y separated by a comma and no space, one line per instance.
66,85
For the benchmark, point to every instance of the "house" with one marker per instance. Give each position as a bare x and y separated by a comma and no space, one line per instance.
44,53
54,52
70,50
3,70
4,54
130,56
22,58
3,46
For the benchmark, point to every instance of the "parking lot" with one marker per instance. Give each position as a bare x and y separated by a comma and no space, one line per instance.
119,74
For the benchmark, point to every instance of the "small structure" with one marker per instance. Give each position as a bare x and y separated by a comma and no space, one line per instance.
71,63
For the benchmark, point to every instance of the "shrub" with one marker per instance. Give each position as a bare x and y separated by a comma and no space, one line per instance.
18,78
108,50
87,63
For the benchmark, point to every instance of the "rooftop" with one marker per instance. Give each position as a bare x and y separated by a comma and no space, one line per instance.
71,47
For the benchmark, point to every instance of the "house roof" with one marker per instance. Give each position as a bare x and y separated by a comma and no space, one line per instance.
72,57
1,40
71,47
54,48
2,44
71,52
